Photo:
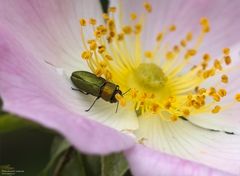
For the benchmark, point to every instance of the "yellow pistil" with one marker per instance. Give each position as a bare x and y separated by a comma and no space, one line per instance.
160,78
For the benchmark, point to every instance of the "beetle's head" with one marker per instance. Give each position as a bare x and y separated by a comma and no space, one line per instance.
117,92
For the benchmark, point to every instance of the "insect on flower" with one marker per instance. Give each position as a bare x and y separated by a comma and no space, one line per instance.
89,83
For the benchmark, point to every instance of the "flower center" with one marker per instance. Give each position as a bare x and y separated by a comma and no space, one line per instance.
149,76
173,90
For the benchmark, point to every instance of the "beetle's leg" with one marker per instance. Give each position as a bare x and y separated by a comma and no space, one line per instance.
92,104
80,91
117,107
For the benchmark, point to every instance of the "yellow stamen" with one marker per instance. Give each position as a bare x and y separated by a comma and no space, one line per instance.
159,80
120,99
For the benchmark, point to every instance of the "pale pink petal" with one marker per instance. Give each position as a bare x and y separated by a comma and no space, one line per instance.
185,140
32,89
186,14
50,29
228,119
144,161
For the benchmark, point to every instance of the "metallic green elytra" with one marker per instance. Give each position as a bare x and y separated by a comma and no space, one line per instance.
89,83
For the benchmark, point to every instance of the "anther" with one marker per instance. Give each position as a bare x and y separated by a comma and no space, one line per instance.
216,109
172,28
83,22
227,60
237,97
148,54
224,79
226,51
92,21
86,55
133,16
112,9
148,7
222,92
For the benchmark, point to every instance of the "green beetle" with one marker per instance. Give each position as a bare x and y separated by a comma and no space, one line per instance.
89,83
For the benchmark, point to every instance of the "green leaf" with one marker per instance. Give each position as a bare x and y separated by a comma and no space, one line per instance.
58,148
114,165
66,161
9,123
75,166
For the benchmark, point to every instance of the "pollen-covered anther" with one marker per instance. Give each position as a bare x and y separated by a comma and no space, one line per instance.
99,71
105,16
159,37
224,79
167,105
174,118
154,107
222,92
134,93
112,9
133,16
186,112
206,57
237,97
101,49
202,91
120,37
108,57
216,109
190,53
147,7
120,99
108,75
86,55
148,54
205,25
216,97
183,43
226,51
227,60
92,21
212,91
127,29
137,28
189,36
170,55
217,64
92,45
103,64
172,28
83,22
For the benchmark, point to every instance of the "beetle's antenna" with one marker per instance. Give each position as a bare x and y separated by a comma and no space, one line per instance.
117,107
92,104
126,92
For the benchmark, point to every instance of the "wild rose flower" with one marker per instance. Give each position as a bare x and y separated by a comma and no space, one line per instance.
178,59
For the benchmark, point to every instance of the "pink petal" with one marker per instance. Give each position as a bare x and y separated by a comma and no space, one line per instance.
228,119
31,88
50,29
186,14
144,161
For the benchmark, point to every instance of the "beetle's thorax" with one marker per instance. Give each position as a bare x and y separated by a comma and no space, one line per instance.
108,92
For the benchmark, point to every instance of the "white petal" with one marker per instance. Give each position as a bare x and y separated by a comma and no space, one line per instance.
215,149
